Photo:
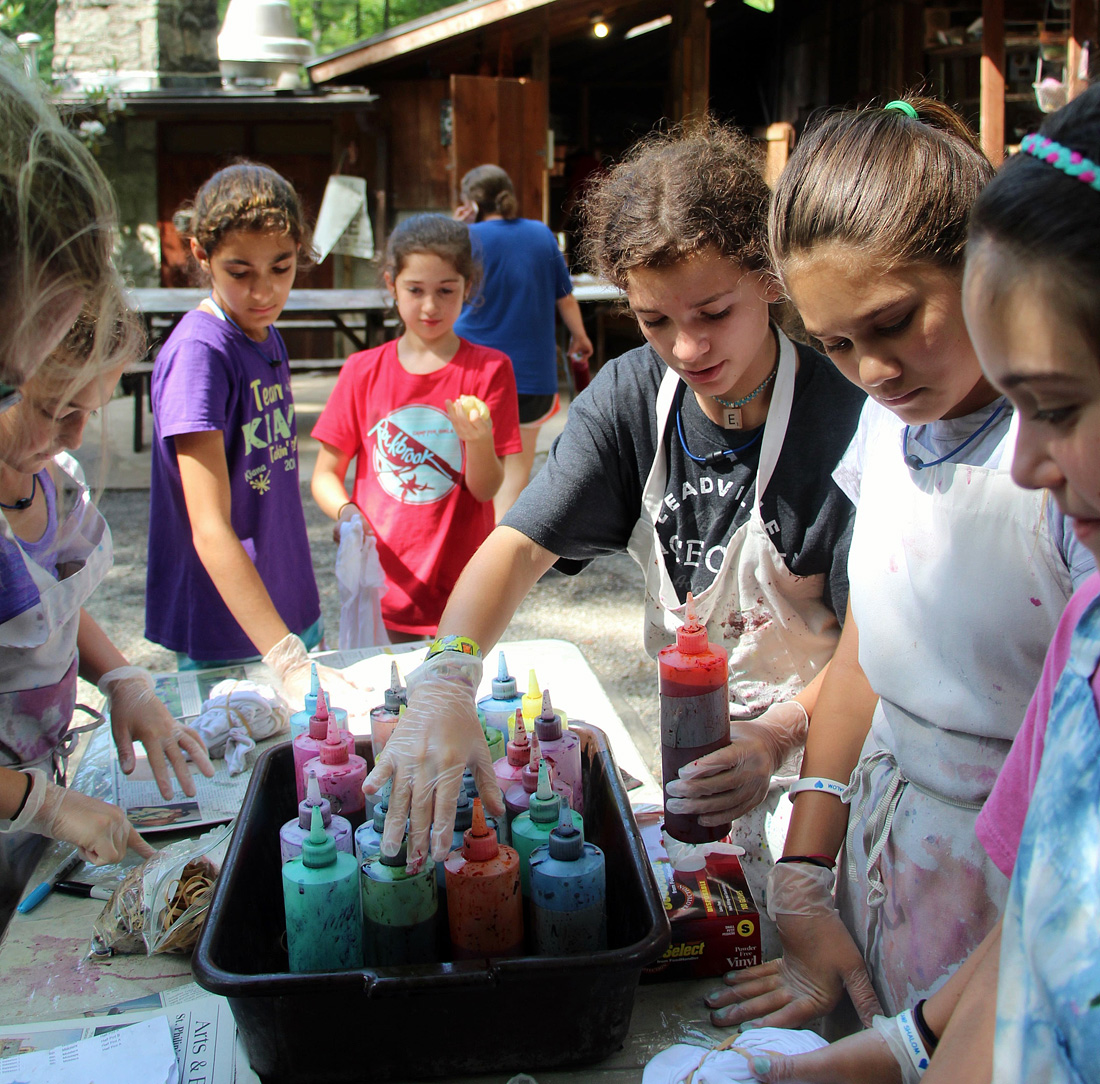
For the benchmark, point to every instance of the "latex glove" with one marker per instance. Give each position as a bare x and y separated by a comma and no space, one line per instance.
728,783
867,1057
438,737
290,661
99,830
820,960
137,714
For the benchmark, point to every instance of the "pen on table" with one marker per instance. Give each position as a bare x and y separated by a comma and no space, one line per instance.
79,888
37,895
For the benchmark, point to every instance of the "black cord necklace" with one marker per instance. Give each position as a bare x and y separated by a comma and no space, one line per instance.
915,463
275,361
23,503
711,459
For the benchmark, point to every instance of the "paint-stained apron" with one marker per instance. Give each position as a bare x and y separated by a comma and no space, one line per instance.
1048,994
778,631
956,590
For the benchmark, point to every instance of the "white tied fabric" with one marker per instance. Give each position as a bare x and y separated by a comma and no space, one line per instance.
362,583
237,715
675,1065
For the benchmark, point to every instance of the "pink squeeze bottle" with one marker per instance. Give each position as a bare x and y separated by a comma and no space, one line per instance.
562,749
340,775
307,746
510,768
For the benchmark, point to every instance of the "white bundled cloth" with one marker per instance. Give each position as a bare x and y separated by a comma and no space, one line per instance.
237,715
362,584
733,1063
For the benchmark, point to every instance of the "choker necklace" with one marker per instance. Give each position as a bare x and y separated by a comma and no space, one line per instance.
733,410
23,503
711,459
913,463
275,361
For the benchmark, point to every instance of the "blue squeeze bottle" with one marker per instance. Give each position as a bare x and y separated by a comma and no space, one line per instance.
295,831
368,836
500,707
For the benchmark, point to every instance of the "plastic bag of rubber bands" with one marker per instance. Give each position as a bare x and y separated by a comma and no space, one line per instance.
161,903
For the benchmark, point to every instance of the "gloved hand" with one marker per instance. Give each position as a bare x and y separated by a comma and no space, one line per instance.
820,959
864,1058
100,831
439,735
290,662
731,782
137,714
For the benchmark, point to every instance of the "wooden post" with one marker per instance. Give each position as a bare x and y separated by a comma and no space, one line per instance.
1082,34
993,80
780,140
690,74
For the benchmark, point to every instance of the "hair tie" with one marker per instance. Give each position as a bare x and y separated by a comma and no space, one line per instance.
1072,163
899,106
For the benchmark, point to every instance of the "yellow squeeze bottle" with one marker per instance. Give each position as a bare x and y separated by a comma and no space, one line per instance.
531,705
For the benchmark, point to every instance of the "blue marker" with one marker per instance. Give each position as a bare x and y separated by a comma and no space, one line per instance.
41,891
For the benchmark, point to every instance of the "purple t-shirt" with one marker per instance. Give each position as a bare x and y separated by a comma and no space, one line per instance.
210,376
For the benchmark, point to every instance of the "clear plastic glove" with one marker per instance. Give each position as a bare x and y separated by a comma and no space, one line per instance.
99,830
731,782
820,959
438,737
867,1057
291,663
138,715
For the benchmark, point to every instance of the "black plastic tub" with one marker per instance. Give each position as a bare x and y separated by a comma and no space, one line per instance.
430,1020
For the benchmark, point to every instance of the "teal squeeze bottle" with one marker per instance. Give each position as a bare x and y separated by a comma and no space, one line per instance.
324,920
399,911
568,894
500,707
368,836
532,829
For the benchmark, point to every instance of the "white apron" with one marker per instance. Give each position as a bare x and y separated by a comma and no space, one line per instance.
956,589
778,631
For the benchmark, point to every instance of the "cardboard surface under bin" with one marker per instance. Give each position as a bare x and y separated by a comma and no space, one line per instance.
431,1020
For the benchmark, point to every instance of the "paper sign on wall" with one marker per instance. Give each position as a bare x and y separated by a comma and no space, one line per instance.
343,225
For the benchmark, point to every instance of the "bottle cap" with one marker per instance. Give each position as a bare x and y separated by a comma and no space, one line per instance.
529,777
691,636
566,842
479,842
464,813
382,806
532,699
544,805
318,848
469,784
396,859
313,797
309,701
548,724
396,694
334,751
504,685
318,721
519,747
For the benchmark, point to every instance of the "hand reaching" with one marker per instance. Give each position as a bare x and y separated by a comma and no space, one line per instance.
864,1058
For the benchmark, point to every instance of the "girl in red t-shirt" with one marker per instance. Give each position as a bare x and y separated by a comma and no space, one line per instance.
428,461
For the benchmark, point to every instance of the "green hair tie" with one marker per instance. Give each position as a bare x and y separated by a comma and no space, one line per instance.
902,107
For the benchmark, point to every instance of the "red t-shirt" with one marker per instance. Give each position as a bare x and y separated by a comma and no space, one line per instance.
410,468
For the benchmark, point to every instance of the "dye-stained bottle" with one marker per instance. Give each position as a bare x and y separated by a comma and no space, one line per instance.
531,701
532,829
562,748
494,739
400,911
368,836
518,796
695,714
307,746
299,721
510,769
295,830
484,903
383,718
324,919
500,707
568,894
340,775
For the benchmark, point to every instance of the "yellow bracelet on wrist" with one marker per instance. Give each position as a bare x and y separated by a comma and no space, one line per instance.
462,644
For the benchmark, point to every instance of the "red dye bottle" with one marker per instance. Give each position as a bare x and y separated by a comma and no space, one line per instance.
695,714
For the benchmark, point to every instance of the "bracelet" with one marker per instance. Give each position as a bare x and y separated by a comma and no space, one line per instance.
346,504
821,786
822,860
914,1045
462,644
928,1036
26,794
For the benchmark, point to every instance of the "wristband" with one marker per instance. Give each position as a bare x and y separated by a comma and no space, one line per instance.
928,1036
821,786
462,644
822,860
346,504
26,794
914,1045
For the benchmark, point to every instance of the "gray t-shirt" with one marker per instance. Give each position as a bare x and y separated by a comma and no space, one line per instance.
585,502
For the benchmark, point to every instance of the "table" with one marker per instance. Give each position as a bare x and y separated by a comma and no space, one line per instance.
46,975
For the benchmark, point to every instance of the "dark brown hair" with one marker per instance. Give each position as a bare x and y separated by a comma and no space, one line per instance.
1045,223
896,188
436,234
492,190
677,193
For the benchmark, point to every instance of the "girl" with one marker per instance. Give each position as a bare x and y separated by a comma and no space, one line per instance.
707,453
426,466
958,579
525,280
230,576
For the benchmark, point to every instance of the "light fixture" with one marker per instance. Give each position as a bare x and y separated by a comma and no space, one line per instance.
600,26
645,28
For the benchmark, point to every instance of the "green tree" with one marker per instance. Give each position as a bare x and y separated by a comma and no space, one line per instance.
31,16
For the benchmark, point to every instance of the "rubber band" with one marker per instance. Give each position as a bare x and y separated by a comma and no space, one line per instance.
899,106
821,786
1072,163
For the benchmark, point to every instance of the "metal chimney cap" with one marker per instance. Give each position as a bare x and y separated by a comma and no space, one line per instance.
262,32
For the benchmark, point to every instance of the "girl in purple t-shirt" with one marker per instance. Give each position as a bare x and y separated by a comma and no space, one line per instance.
229,575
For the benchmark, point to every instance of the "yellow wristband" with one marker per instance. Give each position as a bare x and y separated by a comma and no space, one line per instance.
462,644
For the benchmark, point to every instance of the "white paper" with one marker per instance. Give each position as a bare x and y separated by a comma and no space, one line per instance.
343,224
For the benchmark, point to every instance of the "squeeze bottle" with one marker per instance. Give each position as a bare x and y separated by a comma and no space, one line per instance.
307,746
532,829
510,769
484,904
568,894
324,920
399,911
531,702
562,748
297,828
500,707
368,836
383,719
340,774
299,721
495,739
518,796
695,713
